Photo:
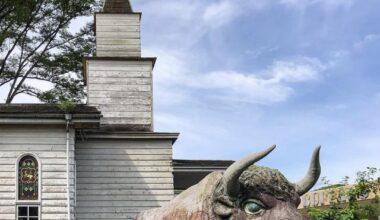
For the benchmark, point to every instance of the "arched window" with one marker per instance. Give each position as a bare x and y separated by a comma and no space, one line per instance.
28,178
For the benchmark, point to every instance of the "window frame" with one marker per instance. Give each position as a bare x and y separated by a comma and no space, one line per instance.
28,202
28,206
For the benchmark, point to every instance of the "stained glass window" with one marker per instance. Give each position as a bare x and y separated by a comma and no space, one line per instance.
28,179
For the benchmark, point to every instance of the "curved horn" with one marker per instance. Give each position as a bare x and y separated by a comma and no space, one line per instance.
230,179
312,176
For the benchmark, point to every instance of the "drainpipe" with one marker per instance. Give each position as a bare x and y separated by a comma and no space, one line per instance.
68,118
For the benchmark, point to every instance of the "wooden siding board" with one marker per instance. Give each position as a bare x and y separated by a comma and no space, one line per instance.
105,41
116,21
123,144
148,186
120,102
120,53
119,74
120,28
118,16
122,177
114,66
123,151
125,81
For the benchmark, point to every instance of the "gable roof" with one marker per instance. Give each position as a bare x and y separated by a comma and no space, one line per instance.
117,7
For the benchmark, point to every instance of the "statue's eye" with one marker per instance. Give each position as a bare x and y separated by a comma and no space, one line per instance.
253,207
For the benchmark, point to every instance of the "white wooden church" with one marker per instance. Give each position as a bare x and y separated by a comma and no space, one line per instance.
103,160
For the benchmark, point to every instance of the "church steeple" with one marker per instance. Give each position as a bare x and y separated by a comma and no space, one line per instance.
117,6
119,80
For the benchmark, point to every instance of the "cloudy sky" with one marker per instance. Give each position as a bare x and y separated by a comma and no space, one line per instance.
236,76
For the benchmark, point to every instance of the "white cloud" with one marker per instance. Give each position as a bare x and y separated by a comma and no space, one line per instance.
241,87
273,87
183,10
300,70
366,40
201,14
327,4
270,85
220,13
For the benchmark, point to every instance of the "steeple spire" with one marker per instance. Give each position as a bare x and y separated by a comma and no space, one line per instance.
117,6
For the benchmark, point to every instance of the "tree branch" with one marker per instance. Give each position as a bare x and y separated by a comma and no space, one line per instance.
5,82
67,41
12,92
24,31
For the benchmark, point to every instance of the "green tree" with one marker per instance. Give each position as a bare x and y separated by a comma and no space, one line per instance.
37,44
351,209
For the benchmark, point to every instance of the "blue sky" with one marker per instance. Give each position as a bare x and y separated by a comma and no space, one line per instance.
236,76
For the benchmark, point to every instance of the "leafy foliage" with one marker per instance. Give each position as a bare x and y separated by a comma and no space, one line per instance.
350,209
67,106
37,45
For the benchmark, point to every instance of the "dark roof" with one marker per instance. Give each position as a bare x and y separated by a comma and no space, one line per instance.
117,7
44,109
83,116
189,172
202,163
126,133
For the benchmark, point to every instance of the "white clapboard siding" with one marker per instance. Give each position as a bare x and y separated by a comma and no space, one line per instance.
128,121
120,65
148,186
5,216
123,151
103,41
120,74
119,48
122,90
125,81
117,179
113,35
118,35
121,94
49,144
7,209
110,204
119,102
120,53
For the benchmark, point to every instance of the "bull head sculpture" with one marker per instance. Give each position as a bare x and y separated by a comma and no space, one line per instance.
243,191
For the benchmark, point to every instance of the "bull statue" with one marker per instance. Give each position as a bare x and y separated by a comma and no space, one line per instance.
243,191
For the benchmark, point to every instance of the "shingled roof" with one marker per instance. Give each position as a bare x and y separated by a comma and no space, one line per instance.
83,116
44,109
117,7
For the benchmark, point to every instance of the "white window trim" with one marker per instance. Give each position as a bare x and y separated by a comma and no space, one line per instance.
29,205
29,202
